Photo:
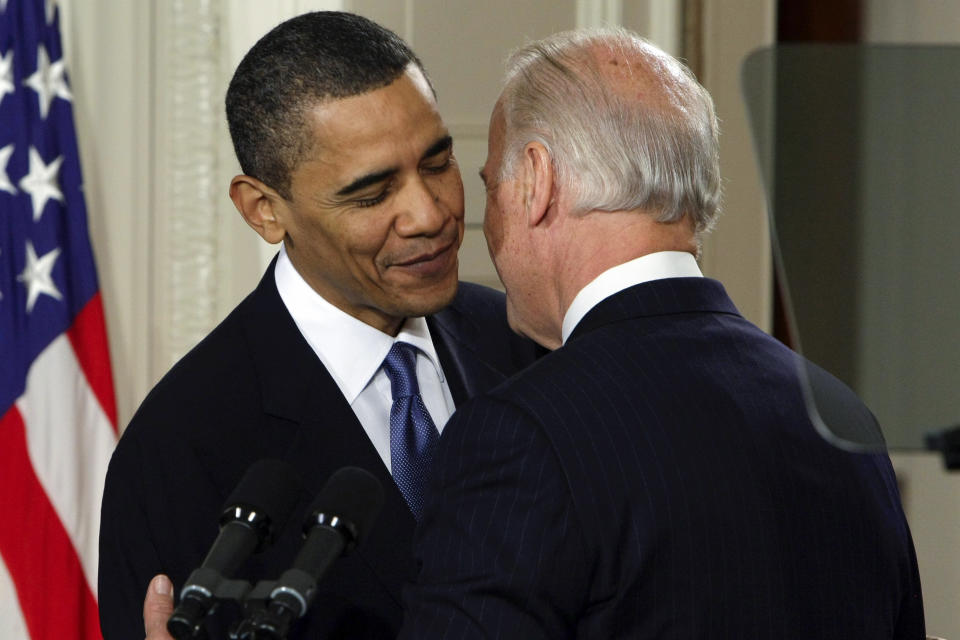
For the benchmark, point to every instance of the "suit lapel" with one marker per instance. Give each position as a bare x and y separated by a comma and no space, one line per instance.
456,364
465,355
297,388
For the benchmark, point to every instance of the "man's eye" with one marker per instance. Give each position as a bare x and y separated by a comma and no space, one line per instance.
439,167
372,202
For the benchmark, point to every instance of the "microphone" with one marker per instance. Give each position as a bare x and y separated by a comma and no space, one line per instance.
340,516
257,509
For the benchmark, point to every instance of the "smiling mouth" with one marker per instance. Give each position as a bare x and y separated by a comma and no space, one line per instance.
425,257
432,265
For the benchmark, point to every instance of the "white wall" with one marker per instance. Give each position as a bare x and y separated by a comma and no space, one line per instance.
738,252
917,21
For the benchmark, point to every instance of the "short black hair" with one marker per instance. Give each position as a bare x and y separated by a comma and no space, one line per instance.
302,62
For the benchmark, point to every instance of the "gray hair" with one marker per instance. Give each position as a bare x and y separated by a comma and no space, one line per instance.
611,152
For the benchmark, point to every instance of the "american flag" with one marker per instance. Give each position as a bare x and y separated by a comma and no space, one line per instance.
57,411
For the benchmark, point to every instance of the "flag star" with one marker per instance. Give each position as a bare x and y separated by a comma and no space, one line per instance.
37,275
51,8
6,73
41,182
5,184
3,5
49,81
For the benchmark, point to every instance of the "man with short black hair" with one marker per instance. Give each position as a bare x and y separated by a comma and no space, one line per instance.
348,165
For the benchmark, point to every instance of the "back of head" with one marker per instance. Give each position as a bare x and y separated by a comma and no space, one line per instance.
325,55
627,125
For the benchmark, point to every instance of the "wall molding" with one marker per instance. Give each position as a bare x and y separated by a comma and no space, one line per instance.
186,190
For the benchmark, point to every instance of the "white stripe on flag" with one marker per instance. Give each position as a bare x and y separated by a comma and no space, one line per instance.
12,624
70,441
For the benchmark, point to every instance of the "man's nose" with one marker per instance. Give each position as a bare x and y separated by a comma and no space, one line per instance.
422,211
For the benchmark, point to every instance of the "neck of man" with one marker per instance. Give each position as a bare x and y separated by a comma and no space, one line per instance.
595,241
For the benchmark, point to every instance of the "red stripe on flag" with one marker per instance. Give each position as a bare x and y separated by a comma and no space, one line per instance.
88,336
54,596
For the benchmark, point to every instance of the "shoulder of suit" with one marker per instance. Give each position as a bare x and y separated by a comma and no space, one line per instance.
215,375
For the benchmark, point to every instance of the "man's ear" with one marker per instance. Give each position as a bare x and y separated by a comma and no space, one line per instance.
258,205
538,182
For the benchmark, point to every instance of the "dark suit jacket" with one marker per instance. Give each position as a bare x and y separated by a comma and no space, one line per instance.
658,477
254,389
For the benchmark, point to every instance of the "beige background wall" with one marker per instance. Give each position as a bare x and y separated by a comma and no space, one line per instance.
174,257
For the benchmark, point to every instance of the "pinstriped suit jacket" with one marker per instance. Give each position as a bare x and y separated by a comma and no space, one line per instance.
658,477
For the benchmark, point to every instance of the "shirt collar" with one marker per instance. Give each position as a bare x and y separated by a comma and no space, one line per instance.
351,350
653,266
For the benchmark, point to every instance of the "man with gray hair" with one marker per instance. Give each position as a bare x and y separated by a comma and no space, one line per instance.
657,475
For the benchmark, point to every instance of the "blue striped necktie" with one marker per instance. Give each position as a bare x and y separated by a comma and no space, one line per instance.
413,436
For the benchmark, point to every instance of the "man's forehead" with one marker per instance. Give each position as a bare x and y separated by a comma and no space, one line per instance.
495,138
406,103
418,78
395,115
409,86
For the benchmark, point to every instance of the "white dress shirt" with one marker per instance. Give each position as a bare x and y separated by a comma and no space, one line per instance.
353,353
653,266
